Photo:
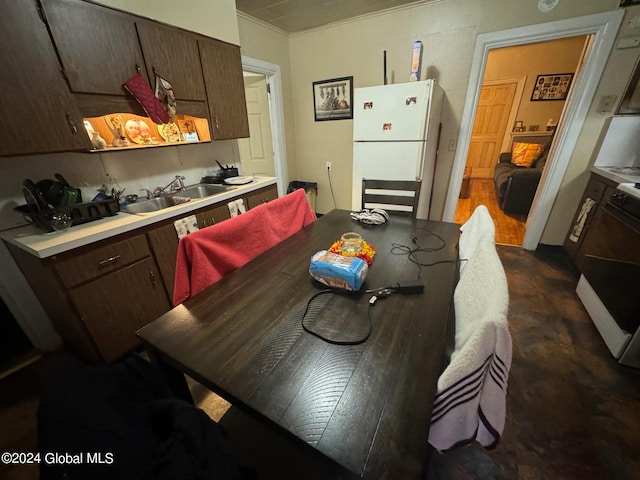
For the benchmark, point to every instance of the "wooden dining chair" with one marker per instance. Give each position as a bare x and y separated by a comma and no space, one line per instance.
397,197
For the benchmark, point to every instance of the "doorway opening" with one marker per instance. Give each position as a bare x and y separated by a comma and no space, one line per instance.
508,112
603,27
275,117
256,152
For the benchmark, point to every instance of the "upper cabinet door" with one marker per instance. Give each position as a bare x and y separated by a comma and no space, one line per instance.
37,111
173,54
222,69
98,47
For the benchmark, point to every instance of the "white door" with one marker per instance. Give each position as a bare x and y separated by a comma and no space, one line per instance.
492,116
391,112
256,152
384,161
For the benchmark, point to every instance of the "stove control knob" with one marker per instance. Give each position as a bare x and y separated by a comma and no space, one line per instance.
620,198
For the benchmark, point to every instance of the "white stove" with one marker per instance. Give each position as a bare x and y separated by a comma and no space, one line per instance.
610,281
630,189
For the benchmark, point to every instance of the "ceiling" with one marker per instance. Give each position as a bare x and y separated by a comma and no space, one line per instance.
296,15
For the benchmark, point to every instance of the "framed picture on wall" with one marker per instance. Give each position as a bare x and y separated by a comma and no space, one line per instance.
332,99
630,104
554,86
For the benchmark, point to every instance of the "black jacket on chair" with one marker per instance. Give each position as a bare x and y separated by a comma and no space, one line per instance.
516,186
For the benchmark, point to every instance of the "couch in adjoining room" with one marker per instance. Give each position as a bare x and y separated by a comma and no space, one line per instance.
517,173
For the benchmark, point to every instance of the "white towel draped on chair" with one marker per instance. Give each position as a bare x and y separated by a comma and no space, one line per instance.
471,400
479,223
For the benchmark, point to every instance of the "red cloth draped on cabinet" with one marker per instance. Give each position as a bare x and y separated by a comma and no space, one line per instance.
207,255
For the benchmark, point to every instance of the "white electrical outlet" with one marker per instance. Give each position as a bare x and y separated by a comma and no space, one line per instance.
452,144
328,166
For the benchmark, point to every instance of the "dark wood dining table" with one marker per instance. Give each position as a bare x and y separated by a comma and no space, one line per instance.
367,406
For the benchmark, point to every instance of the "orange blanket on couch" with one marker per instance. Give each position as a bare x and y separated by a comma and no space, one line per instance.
207,255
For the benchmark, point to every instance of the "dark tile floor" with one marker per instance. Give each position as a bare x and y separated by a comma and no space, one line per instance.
572,411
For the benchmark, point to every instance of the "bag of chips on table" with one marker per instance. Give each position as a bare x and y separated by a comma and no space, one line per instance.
338,271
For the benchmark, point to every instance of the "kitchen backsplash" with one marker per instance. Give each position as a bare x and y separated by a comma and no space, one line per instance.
133,170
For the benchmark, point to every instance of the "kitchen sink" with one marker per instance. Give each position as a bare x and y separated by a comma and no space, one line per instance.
148,205
201,190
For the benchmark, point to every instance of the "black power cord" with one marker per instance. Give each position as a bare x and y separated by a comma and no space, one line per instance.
412,252
403,287
333,341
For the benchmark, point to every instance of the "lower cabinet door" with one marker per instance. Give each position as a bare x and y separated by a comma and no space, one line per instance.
214,215
261,196
164,243
115,306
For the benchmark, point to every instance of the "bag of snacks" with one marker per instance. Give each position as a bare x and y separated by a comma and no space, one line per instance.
338,271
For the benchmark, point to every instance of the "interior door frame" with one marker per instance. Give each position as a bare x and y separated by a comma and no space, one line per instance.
276,115
604,28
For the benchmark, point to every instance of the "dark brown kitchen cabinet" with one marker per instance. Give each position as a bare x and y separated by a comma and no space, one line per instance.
213,215
99,295
65,60
595,194
222,69
113,307
173,54
37,111
98,46
261,196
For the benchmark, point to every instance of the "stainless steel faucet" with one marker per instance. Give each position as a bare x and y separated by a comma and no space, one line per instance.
159,191
179,179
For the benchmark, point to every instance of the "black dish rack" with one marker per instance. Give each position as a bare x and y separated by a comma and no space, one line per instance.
79,213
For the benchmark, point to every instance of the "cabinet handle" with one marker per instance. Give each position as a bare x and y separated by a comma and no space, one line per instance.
152,276
215,117
108,261
72,124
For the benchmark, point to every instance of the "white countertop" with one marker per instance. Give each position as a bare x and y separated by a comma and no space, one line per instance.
33,240
614,176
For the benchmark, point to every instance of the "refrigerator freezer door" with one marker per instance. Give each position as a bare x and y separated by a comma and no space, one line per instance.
384,161
398,112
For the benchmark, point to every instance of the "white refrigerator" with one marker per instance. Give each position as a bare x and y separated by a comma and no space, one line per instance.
395,136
